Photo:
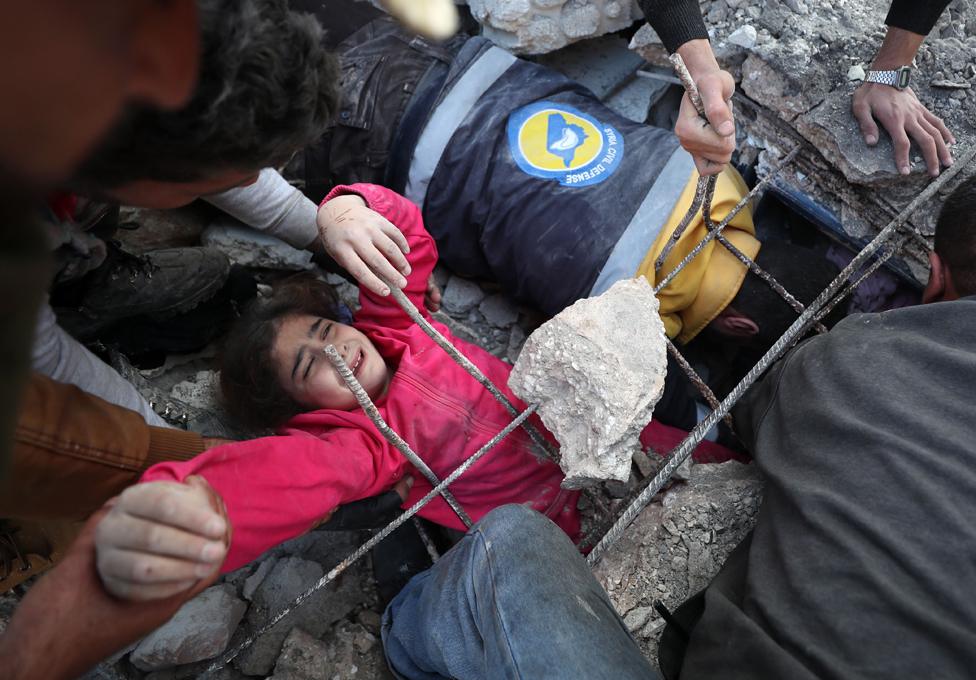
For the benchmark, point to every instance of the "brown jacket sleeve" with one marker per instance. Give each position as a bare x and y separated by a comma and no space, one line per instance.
73,451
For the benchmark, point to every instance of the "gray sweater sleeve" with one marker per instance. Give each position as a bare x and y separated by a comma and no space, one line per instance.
675,21
62,358
916,16
273,206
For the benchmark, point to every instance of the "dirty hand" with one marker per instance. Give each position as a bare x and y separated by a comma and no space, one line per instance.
364,243
68,622
904,117
432,296
161,538
710,142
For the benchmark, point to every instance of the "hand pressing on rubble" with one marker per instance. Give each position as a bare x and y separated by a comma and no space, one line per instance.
162,538
899,111
712,141
364,243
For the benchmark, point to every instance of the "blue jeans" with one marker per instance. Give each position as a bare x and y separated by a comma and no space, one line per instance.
513,599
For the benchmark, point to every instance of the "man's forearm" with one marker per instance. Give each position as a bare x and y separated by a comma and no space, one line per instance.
675,21
897,49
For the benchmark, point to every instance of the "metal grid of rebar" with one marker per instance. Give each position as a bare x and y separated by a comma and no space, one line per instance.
808,319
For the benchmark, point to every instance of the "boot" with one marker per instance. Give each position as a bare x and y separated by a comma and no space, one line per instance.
29,548
159,283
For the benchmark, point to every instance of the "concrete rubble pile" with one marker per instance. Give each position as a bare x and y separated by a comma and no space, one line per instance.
677,544
539,26
797,63
596,370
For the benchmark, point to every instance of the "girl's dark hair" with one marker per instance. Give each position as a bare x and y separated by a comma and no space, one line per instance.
249,385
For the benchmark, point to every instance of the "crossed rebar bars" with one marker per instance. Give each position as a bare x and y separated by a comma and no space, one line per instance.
808,318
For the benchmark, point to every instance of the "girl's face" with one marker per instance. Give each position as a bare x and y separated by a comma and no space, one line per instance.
308,375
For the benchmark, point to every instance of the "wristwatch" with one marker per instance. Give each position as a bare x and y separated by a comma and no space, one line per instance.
897,79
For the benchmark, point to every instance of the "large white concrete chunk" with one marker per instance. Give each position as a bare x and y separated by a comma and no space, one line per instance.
540,26
596,370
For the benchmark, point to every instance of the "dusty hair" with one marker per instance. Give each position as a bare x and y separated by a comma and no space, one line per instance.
803,272
249,385
955,236
267,88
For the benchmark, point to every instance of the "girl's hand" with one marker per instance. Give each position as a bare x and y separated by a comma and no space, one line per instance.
161,538
364,243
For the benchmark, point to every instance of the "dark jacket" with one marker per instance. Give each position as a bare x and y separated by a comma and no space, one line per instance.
863,557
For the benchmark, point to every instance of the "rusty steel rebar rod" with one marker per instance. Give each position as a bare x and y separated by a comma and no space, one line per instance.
696,379
388,432
725,221
401,298
777,287
372,542
681,452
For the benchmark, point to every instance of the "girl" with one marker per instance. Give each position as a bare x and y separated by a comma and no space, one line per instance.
329,453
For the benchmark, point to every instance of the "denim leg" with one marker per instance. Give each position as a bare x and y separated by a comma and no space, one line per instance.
513,599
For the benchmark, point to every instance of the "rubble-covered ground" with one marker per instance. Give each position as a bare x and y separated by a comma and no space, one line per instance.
794,62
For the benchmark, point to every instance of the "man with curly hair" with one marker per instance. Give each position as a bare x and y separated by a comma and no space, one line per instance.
266,88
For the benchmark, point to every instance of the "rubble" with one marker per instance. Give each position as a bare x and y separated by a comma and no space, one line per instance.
596,370
200,630
498,311
539,26
460,295
677,544
288,578
795,84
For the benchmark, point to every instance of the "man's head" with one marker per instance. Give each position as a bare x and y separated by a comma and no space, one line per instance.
953,260
758,315
267,88
68,69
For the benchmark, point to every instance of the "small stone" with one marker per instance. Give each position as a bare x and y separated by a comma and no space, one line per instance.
744,36
302,656
637,617
498,311
797,6
644,463
951,85
461,295
856,72
200,630
255,579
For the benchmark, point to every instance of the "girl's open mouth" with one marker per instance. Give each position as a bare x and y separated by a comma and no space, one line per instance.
357,362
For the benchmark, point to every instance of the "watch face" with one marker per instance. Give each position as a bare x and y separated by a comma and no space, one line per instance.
904,74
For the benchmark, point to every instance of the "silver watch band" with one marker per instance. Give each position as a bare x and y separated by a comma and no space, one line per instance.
898,78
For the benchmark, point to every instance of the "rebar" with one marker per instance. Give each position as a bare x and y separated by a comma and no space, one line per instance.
685,448
372,542
401,298
388,433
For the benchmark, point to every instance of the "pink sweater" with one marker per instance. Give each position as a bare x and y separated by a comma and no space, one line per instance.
276,488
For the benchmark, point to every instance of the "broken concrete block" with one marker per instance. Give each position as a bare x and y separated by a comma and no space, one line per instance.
676,546
200,630
596,370
460,295
288,578
540,26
